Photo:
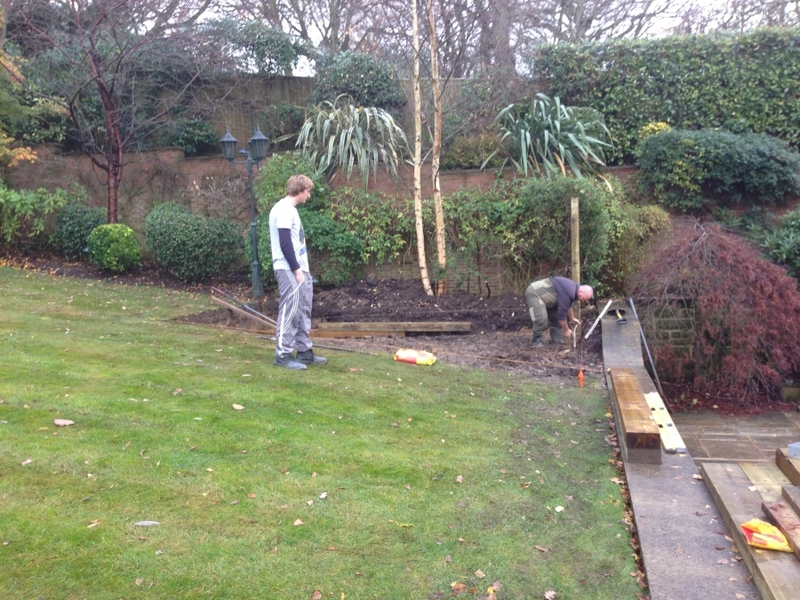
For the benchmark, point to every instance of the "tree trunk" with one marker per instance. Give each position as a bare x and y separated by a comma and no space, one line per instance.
423,266
441,251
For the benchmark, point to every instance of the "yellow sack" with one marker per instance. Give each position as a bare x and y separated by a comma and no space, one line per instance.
763,535
415,357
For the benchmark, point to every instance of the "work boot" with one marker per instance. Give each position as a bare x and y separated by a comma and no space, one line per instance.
557,336
289,362
309,358
537,339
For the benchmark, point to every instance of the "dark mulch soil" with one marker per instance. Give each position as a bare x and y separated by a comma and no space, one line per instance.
499,340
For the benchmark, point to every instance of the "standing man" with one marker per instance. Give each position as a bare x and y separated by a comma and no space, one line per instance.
290,261
550,302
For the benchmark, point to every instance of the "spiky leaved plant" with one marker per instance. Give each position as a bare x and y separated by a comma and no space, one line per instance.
341,135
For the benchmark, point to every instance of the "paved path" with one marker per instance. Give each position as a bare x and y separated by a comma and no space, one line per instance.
712,437
683,541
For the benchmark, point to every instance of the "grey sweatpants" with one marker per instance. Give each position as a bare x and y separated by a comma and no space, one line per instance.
294,313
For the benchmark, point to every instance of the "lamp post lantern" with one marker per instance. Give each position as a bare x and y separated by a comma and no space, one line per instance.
257,153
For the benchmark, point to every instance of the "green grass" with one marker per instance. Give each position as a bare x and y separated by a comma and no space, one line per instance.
156,438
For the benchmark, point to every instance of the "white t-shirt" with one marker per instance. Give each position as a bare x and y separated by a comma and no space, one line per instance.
284,215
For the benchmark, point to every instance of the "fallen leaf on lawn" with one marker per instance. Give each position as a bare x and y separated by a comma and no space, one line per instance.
234,503
316,595
309,502
448,559
94,523
177,391
323,495
617,480
399,524
541,549
27,461
559,509
298,522
237,407
479,574
458,588
352,370
210,470
525,484
251,495
147,523
496,586
459,479
63,422
139,581
549,595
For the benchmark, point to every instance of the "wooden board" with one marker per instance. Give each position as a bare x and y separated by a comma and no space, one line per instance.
792,496
775,574
637,428
670,438
316,333
784,518
394,326
788,465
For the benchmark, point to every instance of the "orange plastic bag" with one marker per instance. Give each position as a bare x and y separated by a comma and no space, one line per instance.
414,357
761,534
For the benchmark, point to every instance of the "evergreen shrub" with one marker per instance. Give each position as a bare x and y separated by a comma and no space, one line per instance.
74,223
369,81
191,247
690,170
783,243
114,247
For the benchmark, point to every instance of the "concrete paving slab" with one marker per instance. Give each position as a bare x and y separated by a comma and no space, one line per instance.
732,450
682,536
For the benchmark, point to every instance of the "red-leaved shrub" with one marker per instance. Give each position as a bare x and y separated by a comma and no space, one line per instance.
747,310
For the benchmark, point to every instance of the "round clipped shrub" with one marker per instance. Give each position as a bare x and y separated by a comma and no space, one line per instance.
74,223
114,247
191,247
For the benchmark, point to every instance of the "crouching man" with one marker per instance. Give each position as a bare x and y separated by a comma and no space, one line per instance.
290,261
550,304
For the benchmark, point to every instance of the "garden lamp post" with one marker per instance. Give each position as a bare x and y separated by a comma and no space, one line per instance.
257,153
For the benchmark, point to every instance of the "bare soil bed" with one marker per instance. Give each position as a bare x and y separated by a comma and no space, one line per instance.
500,338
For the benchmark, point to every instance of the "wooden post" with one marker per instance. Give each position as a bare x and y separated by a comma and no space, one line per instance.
574,221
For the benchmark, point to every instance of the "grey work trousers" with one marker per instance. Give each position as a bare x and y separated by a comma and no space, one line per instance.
294,313
543,307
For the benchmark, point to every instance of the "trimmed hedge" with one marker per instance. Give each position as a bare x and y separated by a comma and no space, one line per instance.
686,170
191,247
742,82
74,224
114,247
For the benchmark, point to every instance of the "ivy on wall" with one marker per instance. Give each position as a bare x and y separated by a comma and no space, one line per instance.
739,82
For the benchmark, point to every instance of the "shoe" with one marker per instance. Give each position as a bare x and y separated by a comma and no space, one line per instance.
537,340
289,362
557,337
309,358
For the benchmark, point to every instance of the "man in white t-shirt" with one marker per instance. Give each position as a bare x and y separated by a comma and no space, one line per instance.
290,261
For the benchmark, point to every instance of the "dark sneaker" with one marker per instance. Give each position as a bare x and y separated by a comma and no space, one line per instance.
289,362
537,340
309,358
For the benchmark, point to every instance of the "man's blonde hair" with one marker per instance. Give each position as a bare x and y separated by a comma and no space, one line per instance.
298,184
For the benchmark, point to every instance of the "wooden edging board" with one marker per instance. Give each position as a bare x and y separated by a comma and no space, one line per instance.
399,326
787,464
637,432
739,490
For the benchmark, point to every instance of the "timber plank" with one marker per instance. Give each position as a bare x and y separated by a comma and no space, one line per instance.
393,326
775,574
787,464
639,431
317,333
784,518
792,496
767,479
670,438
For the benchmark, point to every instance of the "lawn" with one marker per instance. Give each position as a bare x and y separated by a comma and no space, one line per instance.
364,479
